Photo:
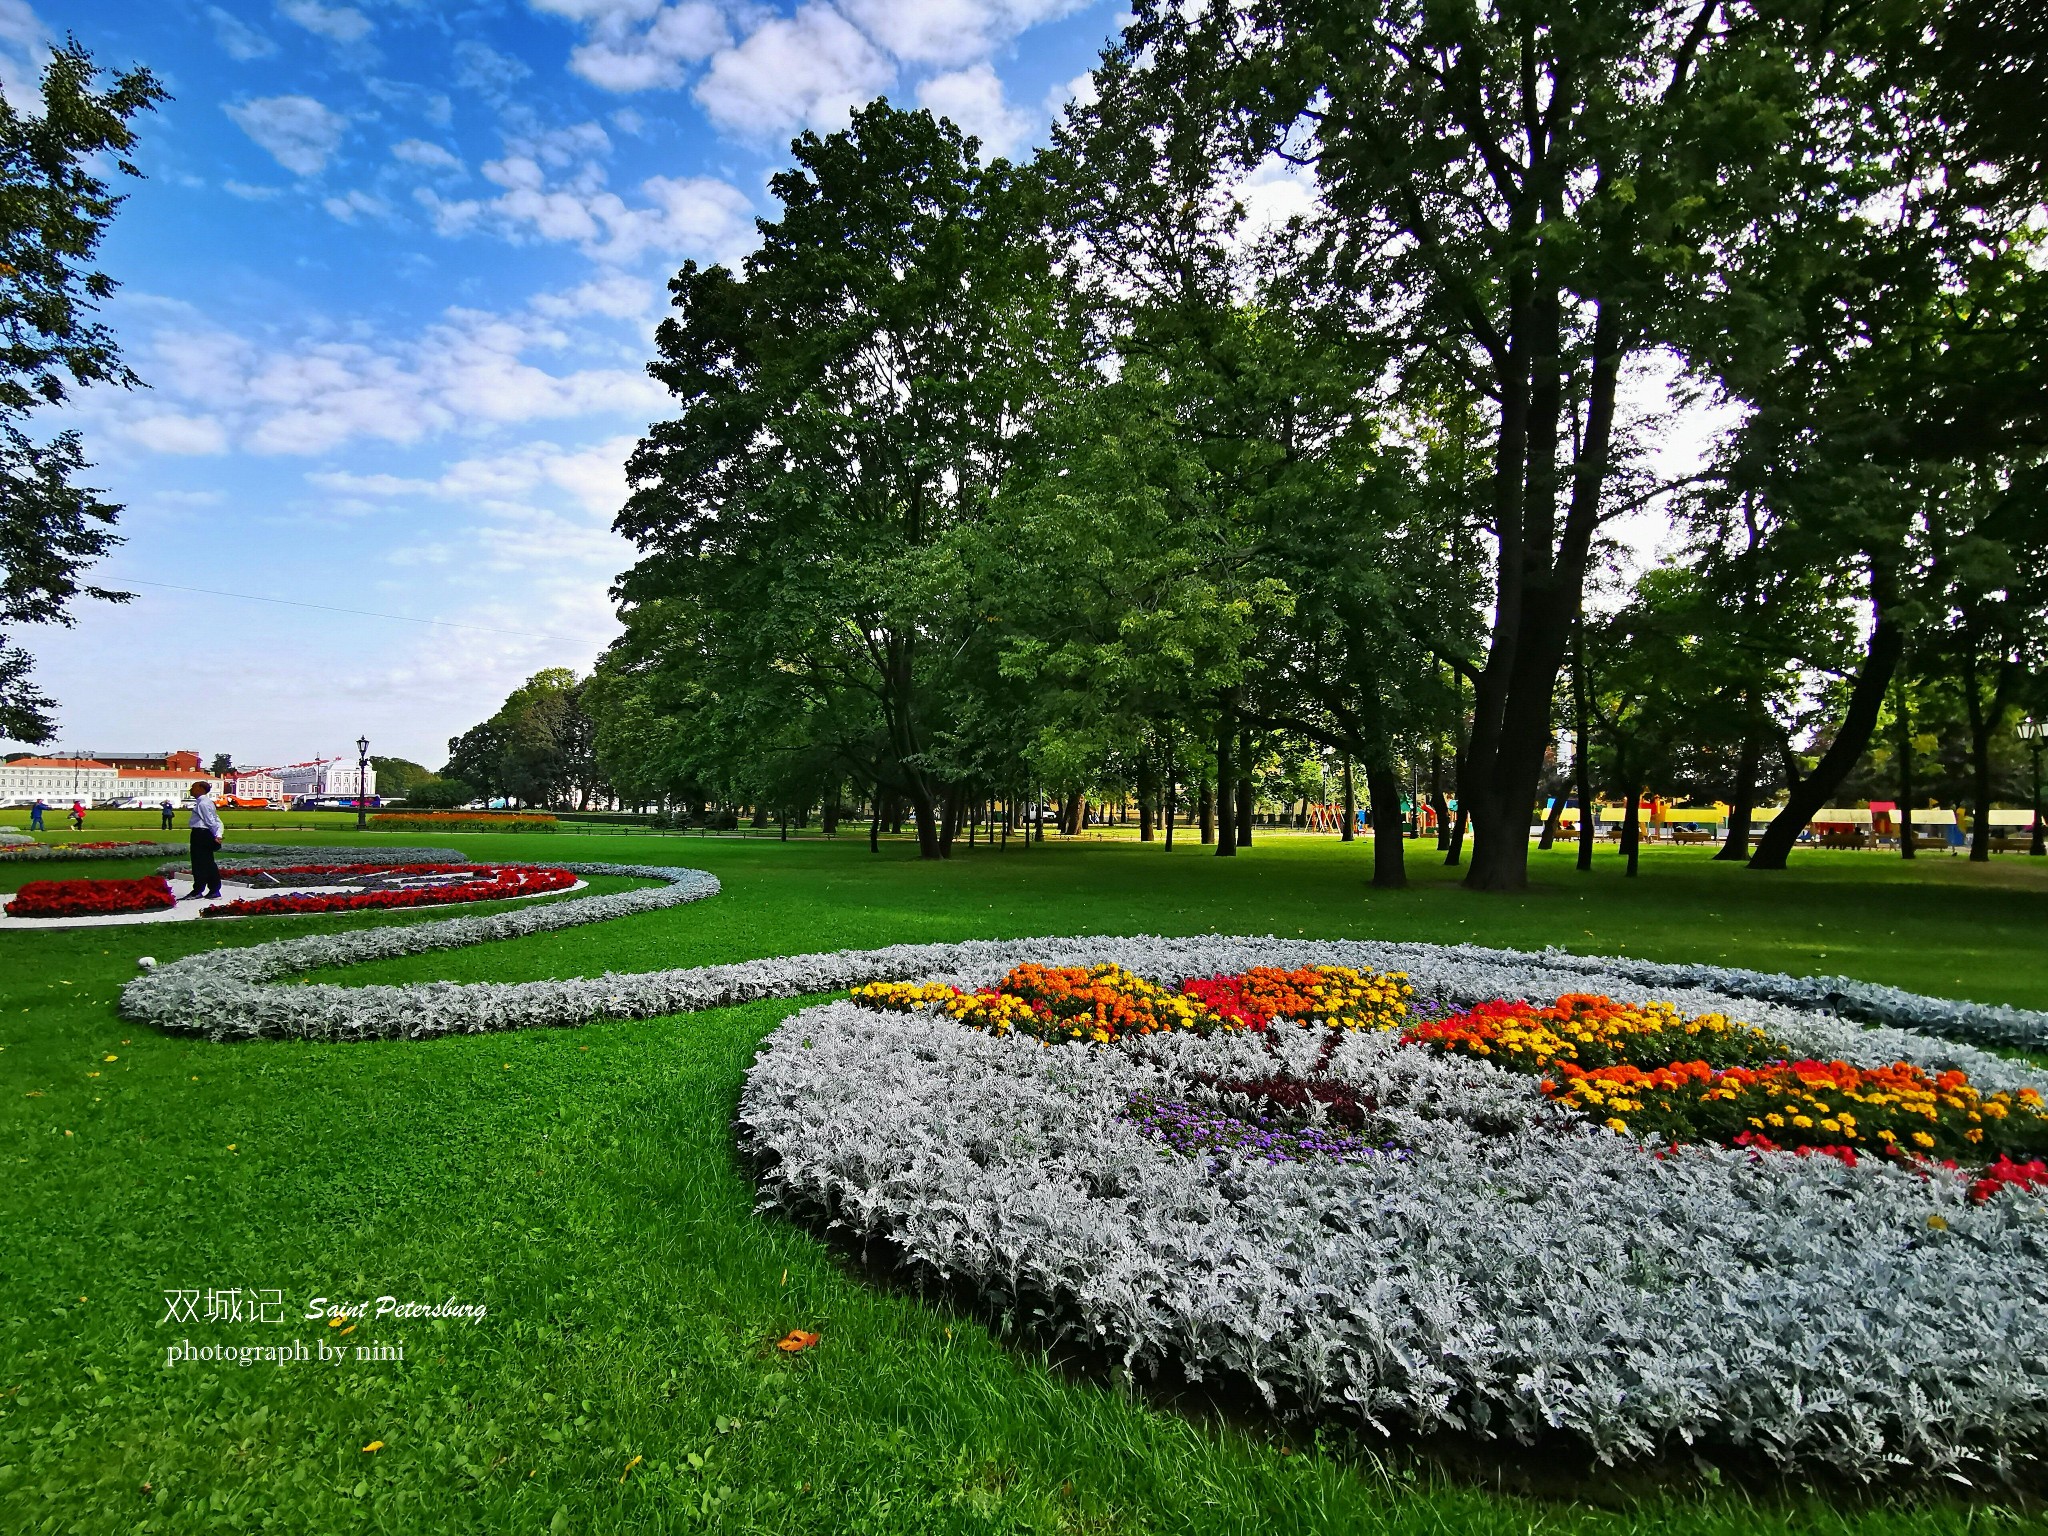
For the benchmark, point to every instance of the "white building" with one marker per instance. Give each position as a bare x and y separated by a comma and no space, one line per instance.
59,780
255,784
321,778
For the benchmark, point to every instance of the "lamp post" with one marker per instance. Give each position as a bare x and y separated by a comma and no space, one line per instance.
362,778
2032,733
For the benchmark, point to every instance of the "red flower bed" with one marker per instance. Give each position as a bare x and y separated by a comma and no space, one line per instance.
91,898
347,871
486,883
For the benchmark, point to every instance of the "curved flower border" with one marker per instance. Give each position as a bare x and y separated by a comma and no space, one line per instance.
222,994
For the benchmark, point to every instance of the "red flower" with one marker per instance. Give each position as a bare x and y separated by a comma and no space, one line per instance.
487,883
2005,1172
91,898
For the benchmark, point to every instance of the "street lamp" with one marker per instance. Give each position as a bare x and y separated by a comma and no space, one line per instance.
2032,733
362,778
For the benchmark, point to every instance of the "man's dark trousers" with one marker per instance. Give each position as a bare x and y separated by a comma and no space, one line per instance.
205,872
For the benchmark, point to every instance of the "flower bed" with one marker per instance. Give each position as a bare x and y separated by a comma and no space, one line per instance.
464,821
1644,1069
390,887
91,898
1487,1214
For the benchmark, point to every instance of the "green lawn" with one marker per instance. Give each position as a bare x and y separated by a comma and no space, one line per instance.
582,1184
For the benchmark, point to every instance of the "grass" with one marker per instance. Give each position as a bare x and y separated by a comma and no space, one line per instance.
581,1184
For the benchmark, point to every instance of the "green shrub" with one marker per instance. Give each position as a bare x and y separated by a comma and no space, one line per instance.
439,794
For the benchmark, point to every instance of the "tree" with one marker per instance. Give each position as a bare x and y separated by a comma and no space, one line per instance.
398,776
847,402
1520,197
54,211
434,793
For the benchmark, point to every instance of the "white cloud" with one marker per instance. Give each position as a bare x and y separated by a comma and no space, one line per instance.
337,23
615,294
593,476
553,188
482,69
973,98
250,194
806,70
298,132
433,106
353,205
24,41
172,432
237,38
467,373
1274,193
428,156
950,31
1079,90
620,53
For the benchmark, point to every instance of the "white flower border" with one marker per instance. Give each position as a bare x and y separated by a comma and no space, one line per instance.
223,994
1553,1278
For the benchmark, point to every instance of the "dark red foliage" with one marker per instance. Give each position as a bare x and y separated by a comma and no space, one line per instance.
1293,1095
91,898
491,883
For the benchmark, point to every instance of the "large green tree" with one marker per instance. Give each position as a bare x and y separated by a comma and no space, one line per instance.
1520,196
55,206
847,401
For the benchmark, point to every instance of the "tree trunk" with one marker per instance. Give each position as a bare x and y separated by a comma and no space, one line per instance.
1552,819
1389,855
1205,812
1172,792
1226,785
1904,815
927,823
1809,794
1440,808
1632,827
1981,726
1538,598
1244,812
1147,788
1457,848
1735,847
1351,805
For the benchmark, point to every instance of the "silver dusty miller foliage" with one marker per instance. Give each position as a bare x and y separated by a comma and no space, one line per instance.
1519,1271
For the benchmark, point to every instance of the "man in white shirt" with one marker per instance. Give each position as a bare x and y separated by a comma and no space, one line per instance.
206,840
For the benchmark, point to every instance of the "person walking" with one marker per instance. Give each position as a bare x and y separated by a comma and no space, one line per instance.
77,816
35,815
169,815
206,840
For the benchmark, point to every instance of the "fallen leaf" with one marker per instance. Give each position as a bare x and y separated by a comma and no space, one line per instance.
629,1467
374,1445
1938,1221
797,1340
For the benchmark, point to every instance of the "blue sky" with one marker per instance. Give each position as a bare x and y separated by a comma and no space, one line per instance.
392,280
